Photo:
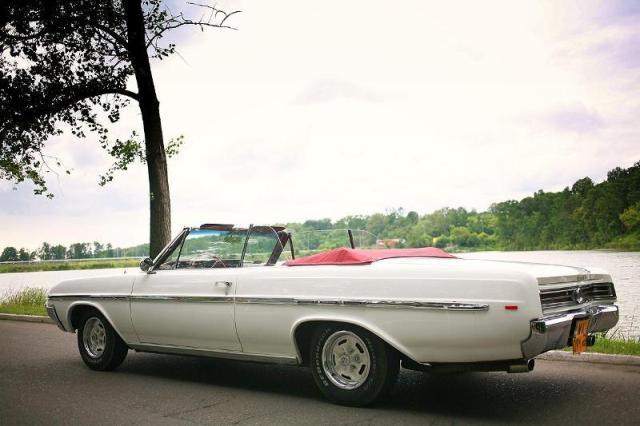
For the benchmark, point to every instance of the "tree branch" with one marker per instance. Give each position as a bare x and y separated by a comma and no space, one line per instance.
77,95
179,20
116,37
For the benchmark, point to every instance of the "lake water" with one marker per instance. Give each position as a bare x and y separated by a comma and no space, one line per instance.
624,268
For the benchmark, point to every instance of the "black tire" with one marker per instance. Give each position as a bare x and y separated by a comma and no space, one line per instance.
374,382
113,349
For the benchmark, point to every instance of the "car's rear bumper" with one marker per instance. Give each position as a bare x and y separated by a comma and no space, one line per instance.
555,332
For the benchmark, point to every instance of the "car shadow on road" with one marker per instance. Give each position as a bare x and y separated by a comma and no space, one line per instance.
492,397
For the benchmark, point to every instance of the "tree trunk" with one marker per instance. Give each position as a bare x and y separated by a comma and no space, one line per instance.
159,197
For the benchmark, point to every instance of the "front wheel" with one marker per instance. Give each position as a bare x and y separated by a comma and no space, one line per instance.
352,366
100,346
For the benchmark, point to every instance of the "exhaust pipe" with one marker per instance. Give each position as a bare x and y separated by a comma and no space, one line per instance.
525,367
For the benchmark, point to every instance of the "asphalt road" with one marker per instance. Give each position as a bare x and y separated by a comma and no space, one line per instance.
43,381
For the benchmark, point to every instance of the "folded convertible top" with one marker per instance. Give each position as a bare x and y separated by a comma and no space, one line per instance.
347,256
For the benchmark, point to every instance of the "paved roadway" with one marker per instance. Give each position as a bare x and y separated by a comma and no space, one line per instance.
43,381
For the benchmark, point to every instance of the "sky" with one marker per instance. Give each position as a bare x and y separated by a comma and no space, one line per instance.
333,108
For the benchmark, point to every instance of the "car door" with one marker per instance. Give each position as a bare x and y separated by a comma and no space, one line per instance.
191,302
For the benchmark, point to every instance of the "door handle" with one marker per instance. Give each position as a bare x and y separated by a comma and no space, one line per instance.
224,283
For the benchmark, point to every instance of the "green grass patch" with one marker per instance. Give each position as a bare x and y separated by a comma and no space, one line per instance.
69,265
606,345
614,344
28,301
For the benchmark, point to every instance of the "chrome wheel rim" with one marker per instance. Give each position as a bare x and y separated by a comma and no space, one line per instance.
346,360
94,337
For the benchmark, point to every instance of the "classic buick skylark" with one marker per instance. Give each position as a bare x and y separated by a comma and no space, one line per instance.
353,316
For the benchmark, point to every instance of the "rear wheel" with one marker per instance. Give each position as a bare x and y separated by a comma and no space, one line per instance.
100,346
352,366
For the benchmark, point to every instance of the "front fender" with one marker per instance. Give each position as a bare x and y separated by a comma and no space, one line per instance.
115,323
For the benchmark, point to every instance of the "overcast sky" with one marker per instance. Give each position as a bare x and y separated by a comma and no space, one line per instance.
325,109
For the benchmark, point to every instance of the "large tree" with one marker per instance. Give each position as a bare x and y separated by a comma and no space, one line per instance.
73,65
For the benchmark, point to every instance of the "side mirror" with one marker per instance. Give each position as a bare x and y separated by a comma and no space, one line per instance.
146,263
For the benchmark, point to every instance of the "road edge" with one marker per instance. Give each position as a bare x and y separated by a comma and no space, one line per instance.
591,357
27,318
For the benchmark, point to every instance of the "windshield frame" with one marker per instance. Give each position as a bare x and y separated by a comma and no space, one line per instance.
283,236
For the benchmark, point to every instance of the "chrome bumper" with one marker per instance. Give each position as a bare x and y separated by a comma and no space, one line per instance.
51,311
555,332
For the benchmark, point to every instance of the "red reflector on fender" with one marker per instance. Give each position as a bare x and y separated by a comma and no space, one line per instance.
511,307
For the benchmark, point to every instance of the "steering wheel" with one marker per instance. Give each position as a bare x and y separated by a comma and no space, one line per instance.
216,260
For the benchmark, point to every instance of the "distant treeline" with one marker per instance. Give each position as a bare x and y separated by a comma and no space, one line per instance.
583,216
95,250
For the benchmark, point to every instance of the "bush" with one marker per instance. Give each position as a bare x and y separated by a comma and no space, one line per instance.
28,301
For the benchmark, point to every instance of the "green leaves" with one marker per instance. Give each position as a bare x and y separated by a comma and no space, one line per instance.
63,59
127,152
68,65
174,145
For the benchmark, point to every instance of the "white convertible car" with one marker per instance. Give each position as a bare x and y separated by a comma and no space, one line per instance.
353,316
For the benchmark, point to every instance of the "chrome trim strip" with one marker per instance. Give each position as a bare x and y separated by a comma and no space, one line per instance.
580,284
196,299
242,356
572,279
409,304
89,296
372,303
188,299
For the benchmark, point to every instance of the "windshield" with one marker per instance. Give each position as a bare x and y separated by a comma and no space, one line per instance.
226,246
208,248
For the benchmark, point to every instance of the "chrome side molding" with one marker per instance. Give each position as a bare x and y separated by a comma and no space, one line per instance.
366,303
72,297
407,304
241,356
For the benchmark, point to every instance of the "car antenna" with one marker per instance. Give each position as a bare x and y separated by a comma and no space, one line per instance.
293,255
351,238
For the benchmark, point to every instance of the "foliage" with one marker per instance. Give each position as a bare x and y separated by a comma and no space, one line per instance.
82,250
630,217
583,216
28,301
615,342
587,215
621,346
69,265
67,65
9,254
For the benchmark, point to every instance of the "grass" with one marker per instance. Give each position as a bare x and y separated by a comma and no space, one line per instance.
68,265
28,301
606,345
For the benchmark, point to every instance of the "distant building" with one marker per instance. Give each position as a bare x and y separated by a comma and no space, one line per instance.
389,243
